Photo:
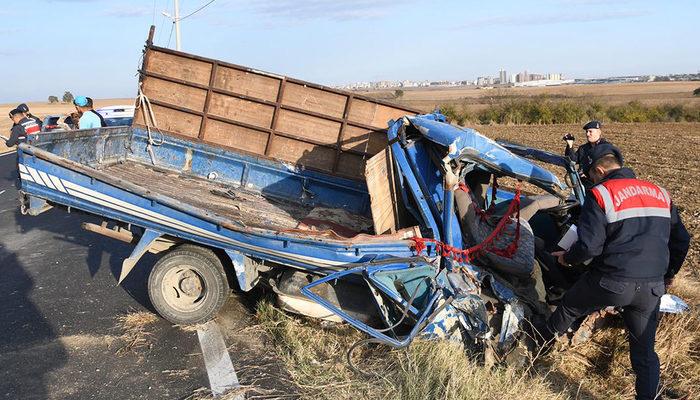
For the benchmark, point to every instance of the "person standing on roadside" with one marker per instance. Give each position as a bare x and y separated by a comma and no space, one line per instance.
582,155
631,230
23,126
89,117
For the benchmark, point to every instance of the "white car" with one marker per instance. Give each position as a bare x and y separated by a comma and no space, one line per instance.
117,115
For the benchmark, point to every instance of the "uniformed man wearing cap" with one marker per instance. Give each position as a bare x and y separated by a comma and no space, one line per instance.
632,232
22,127
582,155
24,109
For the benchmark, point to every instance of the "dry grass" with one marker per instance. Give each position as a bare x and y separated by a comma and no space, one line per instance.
134,327
206,394
316,361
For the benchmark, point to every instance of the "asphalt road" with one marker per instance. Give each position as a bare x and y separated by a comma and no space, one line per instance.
60,304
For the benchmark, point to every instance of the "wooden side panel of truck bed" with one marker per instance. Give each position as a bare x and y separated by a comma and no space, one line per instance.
264,114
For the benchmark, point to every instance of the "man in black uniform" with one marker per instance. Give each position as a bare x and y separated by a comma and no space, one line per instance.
24,109
582,155
23,126
632,232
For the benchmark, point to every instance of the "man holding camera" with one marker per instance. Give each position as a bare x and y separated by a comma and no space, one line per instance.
582,155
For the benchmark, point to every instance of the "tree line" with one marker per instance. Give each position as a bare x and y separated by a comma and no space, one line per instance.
545,110
67,98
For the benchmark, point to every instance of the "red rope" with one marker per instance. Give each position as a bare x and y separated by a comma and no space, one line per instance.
487,245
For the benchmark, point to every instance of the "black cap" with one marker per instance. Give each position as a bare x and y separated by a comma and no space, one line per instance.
592,125
601,150
22,108
14,112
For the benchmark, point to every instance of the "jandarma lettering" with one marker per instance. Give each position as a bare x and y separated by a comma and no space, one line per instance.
629,191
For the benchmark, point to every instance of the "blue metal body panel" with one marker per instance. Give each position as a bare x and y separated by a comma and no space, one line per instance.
470,144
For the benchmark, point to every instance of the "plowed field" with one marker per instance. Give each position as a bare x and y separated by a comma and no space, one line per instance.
667,154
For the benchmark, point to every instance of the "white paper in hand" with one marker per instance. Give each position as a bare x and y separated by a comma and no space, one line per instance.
568,240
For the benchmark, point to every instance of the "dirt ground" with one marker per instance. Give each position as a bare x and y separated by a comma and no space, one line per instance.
651,93
42,109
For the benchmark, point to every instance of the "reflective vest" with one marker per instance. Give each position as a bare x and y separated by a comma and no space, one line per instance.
621,199
29,127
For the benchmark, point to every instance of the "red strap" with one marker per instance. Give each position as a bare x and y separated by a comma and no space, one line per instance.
487,245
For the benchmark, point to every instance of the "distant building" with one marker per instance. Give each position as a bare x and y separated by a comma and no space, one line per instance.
484,81
522,77
502,76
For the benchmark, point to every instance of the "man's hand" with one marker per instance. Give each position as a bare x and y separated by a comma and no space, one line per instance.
668,282
560,257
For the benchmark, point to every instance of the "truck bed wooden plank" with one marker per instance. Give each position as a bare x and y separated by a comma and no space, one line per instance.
245,111
246,83
236,137
308,154
175,121
364,140
306,126
314,100
175,94
179,68
379,186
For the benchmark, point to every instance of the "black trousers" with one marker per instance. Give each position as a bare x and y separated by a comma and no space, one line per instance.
640,303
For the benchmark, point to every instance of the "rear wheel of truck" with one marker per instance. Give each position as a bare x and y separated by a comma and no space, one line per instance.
188,285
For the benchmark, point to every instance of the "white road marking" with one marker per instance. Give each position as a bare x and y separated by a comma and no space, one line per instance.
8,153
222,376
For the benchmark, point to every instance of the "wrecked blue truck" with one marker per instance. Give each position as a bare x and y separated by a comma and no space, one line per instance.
225,220
344,207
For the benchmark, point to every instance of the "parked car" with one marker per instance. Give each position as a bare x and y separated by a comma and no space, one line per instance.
117,115
56,122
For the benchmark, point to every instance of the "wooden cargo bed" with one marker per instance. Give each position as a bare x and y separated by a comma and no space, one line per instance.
250,208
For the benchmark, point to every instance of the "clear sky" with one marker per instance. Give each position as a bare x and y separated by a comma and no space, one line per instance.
93,47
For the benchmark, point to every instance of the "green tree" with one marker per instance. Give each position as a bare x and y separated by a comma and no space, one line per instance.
696,92
53,99
398,93
67,97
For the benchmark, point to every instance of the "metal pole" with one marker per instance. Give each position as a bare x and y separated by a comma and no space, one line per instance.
177,26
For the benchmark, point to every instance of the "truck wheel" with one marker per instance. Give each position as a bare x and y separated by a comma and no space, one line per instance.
188,285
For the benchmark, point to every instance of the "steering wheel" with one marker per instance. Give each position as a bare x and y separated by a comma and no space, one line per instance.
563,208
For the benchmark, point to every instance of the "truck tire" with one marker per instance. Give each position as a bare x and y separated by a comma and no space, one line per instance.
188,285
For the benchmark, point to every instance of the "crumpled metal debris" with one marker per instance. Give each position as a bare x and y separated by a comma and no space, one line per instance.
673,304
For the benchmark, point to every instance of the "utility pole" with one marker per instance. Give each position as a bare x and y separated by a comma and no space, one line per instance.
177,25
176,21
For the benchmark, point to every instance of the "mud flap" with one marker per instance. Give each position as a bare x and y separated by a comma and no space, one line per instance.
411,286
147,239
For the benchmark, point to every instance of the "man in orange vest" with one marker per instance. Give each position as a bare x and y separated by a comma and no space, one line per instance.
632,232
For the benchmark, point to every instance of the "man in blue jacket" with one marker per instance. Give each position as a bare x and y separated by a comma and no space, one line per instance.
632,232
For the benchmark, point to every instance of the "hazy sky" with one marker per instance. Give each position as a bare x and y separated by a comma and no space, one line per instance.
93,47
